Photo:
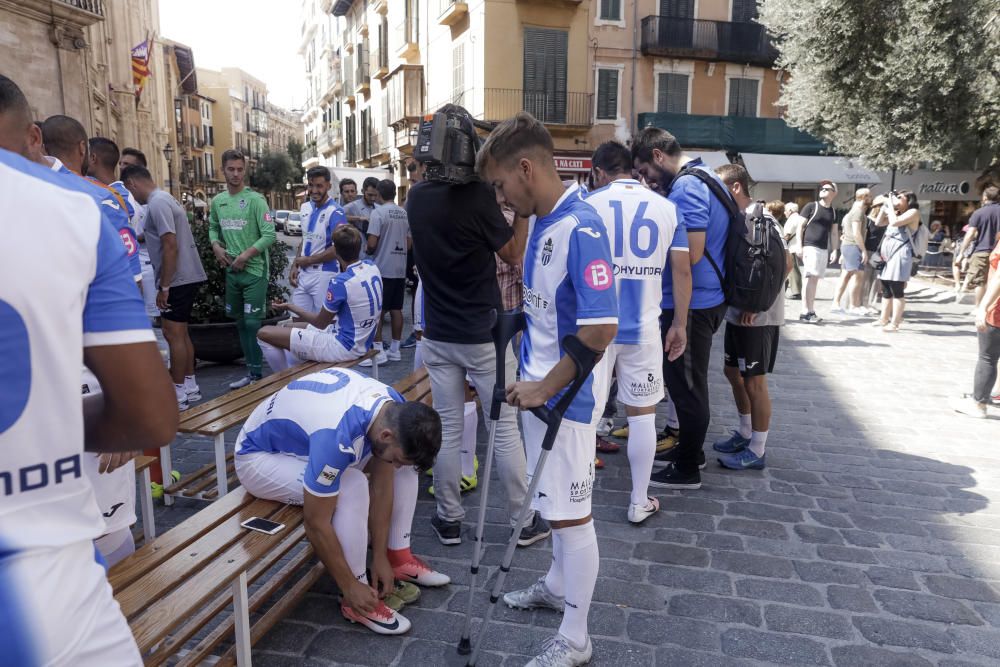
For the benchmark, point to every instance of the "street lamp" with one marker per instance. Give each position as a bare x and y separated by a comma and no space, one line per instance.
288,198
168,153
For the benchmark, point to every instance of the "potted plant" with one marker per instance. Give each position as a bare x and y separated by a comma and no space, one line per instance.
212,333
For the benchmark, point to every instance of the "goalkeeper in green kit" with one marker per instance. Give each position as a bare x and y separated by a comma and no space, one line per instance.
241,230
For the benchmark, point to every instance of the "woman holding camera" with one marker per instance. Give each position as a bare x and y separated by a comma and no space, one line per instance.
901,216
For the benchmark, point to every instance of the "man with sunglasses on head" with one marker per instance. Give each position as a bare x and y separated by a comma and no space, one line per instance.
817,238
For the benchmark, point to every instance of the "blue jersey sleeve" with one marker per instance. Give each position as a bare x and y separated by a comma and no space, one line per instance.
330,453
337,218
680,240
336,295
113,312
691,197
588,265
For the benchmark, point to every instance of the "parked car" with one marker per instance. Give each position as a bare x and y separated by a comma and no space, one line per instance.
279,219
293,224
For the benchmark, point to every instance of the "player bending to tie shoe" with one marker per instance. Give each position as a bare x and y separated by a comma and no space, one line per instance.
311,444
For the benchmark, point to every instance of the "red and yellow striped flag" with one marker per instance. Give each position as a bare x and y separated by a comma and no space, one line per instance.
140,67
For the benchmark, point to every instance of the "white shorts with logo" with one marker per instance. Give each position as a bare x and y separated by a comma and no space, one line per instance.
115,492
640,372
567,480
814,261
319,345
311,292
59,610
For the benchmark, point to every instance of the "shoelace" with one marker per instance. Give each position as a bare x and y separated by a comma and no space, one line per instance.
553,650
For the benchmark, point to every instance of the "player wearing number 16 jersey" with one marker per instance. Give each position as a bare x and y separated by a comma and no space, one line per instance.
643,228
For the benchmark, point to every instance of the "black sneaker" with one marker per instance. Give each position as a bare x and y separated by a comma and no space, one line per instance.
810,318
448,532
670,456
672,478
538,530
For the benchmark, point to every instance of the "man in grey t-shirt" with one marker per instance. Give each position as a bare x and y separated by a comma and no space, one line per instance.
388,242
178,272
360,210
751,346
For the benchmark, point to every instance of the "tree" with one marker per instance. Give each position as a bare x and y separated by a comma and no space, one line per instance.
295,150
273,171
896,82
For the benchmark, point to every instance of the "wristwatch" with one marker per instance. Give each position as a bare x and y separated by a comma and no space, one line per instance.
164,289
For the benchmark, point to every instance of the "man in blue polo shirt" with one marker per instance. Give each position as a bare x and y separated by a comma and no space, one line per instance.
658,157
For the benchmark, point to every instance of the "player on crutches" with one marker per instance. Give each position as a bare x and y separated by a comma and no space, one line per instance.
568,292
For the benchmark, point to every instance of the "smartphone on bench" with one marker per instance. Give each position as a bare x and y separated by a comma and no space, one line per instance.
262,525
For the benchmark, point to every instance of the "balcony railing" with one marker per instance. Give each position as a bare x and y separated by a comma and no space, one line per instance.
552,108
408,36
707,40
406,95
92,6
735,134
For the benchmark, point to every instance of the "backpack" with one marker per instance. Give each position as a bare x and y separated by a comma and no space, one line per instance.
754,253
919,239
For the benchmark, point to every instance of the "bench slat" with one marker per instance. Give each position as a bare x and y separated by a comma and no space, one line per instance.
169,646
194,477
143,462
279,579
193,413
163,547
232,481
278,611
210,480
193,558
169,611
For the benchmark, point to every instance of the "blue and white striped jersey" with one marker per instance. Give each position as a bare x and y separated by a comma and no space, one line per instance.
323,417
355,297
130,202
568,283
318,223
642,227
45,323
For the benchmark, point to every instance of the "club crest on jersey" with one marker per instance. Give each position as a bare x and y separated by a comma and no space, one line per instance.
327,476
267,217
547,252
243,203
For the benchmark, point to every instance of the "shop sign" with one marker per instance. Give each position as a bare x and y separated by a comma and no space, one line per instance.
575,164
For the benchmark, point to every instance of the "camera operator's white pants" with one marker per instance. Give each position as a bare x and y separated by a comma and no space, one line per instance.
448,364
279,477
84,628
311,292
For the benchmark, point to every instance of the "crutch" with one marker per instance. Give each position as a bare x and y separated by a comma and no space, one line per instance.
505,327
584,359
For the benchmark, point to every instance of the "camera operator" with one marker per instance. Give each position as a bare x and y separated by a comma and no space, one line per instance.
456,229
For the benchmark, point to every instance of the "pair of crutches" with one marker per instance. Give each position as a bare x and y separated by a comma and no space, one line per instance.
505,327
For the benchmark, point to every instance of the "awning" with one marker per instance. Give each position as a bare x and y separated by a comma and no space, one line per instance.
768,168
712,159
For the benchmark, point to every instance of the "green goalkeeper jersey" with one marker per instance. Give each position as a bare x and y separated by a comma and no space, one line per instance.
240,221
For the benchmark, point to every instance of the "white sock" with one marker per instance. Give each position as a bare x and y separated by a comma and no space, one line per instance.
275,356
758,440
672,415
418,356
350,521
641,450
579,556
468,450
404,504
394,346
554,577
190,382
180,392
116,546
745,427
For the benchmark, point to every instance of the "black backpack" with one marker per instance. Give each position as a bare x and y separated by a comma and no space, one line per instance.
754,255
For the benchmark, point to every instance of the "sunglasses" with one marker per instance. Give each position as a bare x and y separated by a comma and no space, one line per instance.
825,187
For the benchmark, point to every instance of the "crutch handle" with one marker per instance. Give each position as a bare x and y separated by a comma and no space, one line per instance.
505,327
584,359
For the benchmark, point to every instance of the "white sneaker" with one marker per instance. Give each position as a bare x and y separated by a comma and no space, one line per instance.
838,310
382,621
193,393
605,426
969,407
243,381
393,356
860,311
639,513
381,358
558,652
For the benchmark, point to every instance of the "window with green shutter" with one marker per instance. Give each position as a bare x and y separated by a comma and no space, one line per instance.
545,56
672,92
611,10
607,94
743,97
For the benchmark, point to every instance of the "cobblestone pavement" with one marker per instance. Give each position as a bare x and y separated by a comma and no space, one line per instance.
871,538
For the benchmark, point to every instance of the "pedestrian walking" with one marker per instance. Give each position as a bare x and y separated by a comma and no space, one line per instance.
791,235
853,256
820,242
984,225
901,217
988,332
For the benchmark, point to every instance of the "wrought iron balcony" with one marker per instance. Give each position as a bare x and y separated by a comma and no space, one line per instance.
707,40
552,108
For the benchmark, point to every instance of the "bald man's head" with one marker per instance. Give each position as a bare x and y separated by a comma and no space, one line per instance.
15,117
66,139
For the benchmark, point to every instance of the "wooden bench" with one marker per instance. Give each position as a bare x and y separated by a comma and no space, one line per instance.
142,465
173,586
213,418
